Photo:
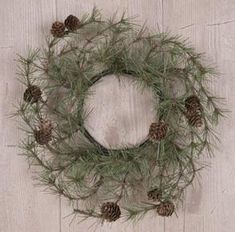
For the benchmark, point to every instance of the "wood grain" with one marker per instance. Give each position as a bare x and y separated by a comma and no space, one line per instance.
116,109
210,27
24,208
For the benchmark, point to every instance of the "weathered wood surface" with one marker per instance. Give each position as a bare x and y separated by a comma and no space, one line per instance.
23,206
210,27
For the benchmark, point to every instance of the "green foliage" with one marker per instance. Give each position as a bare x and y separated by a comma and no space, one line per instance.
87,171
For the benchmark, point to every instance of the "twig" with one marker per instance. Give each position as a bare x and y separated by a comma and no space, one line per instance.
122,188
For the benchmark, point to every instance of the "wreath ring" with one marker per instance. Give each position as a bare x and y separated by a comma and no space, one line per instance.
110,183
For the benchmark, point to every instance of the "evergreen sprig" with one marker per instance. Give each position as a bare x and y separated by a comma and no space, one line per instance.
82,170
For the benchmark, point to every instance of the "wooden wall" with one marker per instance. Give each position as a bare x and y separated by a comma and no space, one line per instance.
209,25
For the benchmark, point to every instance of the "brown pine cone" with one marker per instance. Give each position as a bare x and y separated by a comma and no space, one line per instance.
194,118
165,209
72,23
44,134
155,195
110,211
32,94
157,131
193,103
58,29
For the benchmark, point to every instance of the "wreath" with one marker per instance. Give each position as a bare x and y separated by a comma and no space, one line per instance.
102,182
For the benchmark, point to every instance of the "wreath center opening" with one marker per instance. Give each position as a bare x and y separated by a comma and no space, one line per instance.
119,111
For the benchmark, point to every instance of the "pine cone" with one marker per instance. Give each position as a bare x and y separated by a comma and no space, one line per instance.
32,94
110,211
165,209
58,29
193,103
44,134
72,23
155,195
194,118
158,131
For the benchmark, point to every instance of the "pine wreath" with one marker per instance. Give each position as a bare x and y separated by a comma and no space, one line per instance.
100,182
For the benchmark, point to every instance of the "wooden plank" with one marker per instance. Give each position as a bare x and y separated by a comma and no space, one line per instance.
24,207
149,11
209,24
6,25
118,101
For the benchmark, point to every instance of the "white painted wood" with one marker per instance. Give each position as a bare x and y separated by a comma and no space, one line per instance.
24,207
210,26
119,111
